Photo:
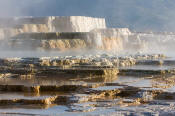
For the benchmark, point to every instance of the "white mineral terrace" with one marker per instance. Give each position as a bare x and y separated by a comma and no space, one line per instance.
65,33
76,65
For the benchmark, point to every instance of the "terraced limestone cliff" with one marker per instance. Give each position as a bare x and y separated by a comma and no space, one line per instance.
102,39
84,84
111,39
77,33
13,26
61,33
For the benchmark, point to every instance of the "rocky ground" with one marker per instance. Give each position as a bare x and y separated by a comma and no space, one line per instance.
88,85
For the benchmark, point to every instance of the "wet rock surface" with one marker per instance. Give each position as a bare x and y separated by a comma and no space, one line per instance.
87,85
92,84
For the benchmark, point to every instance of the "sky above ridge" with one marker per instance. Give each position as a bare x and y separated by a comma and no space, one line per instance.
140,15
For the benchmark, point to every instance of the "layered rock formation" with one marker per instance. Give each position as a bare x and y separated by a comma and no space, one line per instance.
83,83
75,82
14,26
62,33
76,24
102,39
77,32
111,38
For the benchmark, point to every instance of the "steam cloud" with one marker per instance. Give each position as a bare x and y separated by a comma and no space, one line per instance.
139,15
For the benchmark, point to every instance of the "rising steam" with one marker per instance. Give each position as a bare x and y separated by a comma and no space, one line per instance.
142,16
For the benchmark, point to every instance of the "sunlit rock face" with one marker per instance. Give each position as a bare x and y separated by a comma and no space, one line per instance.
34,28
52,41
64,44
65,33
111,38
102,39
10,27
26,28
47,32
14,26
76,24
79,32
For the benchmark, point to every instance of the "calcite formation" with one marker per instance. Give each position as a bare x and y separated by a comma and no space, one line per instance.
77,24
107,81
78,32
61,33
51,24
76,80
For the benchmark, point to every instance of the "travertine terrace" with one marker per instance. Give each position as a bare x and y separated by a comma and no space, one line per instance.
61,33
106,83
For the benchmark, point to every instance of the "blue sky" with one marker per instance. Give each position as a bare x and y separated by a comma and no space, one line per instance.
138,15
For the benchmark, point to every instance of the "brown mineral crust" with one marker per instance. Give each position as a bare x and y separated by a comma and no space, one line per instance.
62,100
44,88
134,102
150,62
64,88
85,72
137,72
164,82
102,72
64,44
17,88
45,101
111,43
128,92
161,95
32,89
116,93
